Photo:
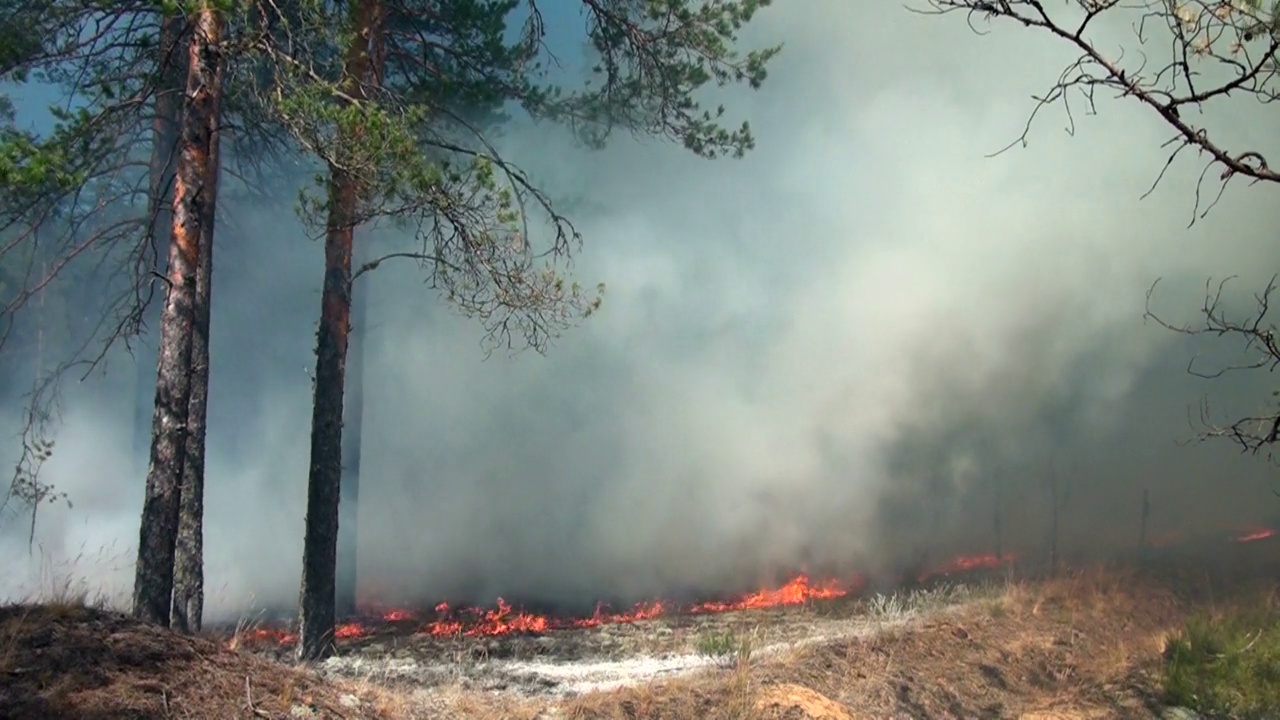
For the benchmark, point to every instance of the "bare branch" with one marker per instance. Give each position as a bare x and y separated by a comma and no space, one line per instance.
1218,49
1260,348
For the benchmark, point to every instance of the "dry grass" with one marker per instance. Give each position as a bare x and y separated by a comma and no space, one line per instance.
1081,645
1085,644
63,660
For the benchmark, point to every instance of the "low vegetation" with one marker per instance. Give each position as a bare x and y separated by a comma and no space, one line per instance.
728,647
1102,643
1227,664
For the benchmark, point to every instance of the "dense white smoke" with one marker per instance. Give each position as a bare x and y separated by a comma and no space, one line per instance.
835,352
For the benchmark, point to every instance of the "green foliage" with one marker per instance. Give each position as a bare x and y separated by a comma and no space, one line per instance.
34,167
1228,665
727,647
415,144
653,58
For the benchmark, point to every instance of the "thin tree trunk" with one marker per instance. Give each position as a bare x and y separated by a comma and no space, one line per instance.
316,612
193,207
998,520
164,144
188,570
316,609
1053,528
1142,532
352,439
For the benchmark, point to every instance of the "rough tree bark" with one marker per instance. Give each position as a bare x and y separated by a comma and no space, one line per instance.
188,570
193,208
316,605
164,138
352,440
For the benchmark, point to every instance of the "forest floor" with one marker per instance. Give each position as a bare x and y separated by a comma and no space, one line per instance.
1081,644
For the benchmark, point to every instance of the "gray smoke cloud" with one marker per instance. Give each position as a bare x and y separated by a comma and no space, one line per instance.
835,353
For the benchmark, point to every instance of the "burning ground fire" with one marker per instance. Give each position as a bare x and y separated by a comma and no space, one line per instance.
444,620
1254,535
503,619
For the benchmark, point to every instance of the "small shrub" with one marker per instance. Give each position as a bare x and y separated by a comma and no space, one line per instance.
727,648
886,607
996,608
1227,665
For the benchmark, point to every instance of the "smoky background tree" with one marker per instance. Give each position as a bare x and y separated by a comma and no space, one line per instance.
1183,57
385,110
75,209
96,191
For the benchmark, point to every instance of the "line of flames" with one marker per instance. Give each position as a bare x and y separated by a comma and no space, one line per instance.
503,619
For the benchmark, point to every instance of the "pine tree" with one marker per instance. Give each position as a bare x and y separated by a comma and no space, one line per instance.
389,123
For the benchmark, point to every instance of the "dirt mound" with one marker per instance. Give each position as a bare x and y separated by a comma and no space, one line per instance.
796,702
71,661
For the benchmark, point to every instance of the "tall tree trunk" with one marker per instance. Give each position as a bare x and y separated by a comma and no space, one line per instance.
352,439
316,610
188,570
193,210
164,144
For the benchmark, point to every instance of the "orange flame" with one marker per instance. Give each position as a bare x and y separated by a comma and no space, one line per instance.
504,619
349,630
797,591
1254,535
969,563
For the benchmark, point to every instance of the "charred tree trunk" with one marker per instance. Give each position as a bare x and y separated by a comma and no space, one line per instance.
188,570
352,439
316,611
164,139
193,208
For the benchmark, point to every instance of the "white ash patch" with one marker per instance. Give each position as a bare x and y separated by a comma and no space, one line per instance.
557,667
572,678
559,677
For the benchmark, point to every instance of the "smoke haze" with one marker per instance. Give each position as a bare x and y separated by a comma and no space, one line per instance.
835,353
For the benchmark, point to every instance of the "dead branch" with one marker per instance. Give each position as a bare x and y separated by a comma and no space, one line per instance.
248,699
1260,348
1236,43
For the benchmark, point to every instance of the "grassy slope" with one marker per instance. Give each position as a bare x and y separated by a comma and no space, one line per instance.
1083,645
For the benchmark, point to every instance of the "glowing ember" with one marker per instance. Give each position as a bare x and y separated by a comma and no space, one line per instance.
1254,535
969,563
603,616
350,630
268,635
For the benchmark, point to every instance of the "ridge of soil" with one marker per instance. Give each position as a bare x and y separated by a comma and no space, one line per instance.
66,660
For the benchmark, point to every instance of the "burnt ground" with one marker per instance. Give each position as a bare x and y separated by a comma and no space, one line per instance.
1083,644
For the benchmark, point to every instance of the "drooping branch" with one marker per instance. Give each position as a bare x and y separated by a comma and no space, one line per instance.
1218,49
1259,349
